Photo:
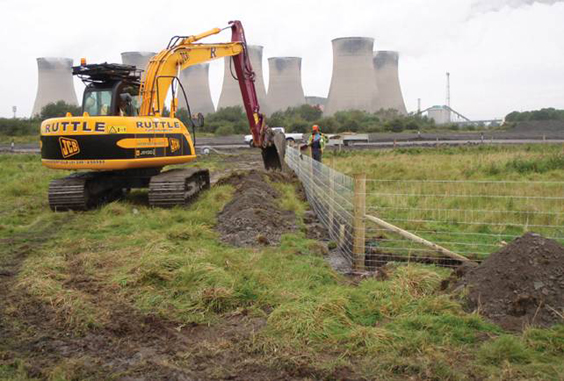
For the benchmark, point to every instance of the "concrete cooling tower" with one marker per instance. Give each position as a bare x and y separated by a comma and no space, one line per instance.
285,83
230,92
195,81
137,59
353,84
387,81
54,83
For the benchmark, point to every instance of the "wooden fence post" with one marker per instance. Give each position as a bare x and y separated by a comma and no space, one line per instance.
359,205
342,236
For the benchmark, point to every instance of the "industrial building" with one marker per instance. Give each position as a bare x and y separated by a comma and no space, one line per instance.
440,114
55,83
387,81
196,84
230,91
285,83
353,82
137,59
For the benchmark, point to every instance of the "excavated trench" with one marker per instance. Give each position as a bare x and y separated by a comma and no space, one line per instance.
254,216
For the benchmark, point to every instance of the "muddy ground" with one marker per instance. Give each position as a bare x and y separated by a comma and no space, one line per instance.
132,346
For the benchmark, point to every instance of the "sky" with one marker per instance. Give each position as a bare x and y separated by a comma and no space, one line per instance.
503,55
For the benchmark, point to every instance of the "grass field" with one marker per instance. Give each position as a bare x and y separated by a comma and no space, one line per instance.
483,196
171,265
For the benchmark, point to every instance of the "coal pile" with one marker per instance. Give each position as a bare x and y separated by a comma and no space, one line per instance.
520,285
253,217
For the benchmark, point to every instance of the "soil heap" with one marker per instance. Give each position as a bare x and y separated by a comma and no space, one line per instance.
253,216
521,284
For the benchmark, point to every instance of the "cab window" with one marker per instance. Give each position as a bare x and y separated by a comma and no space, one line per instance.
98,102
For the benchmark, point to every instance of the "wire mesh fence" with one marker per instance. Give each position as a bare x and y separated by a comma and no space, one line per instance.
459,217
330,195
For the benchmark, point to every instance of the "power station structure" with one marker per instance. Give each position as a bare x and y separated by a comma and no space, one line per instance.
285,83
440,114
230,91
137,59
196,83
387,80
444,114
318,102
353,83
55,83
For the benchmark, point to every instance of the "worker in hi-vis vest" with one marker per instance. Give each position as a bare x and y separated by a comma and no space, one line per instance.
317,142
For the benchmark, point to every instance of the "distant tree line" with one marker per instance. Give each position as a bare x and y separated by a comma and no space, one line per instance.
30,126
535,115
232,120
300,119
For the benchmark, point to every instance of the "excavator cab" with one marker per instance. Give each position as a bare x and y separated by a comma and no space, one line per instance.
111,90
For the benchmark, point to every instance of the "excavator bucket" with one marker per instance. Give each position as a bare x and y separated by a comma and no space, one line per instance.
273,154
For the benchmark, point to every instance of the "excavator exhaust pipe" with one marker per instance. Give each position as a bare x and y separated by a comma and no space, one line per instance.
275,150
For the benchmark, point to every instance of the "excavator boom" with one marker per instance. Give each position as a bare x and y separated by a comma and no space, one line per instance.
183,52
273,143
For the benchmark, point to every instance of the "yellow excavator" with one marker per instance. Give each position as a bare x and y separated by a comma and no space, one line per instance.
124,138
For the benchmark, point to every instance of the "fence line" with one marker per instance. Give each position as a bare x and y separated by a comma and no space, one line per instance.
471,218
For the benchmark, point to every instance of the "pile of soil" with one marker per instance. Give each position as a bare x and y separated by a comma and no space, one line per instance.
253,216
521,284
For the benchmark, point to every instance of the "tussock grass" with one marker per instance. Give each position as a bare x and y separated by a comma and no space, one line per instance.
171,263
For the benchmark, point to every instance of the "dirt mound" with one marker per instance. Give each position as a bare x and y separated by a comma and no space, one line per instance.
521,284
254,216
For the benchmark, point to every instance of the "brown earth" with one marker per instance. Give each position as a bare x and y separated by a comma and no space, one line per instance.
521,284
253,216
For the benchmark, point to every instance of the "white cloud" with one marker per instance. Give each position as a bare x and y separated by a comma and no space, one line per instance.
484,6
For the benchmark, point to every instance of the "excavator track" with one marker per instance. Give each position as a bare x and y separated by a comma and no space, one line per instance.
177,186
84,191
69,193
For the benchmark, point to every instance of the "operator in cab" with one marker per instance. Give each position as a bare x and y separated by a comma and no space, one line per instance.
317,142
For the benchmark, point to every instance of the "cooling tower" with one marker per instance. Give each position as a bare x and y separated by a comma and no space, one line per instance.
137,59
285,83
195,81
353,84
54,83
231,93
387,81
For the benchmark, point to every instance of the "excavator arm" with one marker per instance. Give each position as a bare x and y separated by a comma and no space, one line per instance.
184,52
273,143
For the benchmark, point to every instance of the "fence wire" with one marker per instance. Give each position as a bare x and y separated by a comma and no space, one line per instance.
330,194
470,218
